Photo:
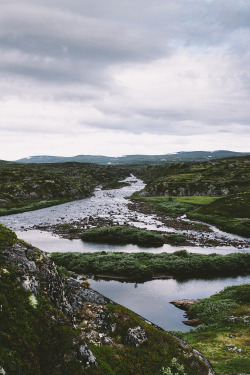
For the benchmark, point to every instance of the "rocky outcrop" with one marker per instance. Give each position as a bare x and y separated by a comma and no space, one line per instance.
184,304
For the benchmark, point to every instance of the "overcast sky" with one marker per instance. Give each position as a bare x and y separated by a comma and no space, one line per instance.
123,77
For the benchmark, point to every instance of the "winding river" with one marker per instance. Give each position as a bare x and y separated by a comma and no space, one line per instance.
150,299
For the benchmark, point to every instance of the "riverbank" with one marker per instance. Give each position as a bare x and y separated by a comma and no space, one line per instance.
223,331
145,266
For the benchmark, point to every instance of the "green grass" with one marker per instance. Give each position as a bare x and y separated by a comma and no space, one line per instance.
200,200
143,266
229,213
215,332
32,206
165,205
7,237
123,235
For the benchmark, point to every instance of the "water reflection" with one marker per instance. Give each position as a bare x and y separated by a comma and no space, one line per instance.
151,299
49,242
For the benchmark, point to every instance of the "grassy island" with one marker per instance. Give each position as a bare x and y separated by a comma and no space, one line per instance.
116,235
179,264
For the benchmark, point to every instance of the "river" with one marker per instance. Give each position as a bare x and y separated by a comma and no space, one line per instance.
150,299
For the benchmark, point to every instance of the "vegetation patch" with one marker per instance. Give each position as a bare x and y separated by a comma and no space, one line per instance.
123,235
158,352
165,205
7,236
175,239
35,338
144,266
223,336
230,213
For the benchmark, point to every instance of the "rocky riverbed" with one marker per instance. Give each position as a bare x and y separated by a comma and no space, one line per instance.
113,207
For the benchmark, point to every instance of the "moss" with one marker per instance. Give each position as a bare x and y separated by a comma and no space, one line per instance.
149,358
7,236
33,339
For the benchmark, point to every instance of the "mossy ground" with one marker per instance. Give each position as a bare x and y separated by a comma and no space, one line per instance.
157,352
35,338
216,332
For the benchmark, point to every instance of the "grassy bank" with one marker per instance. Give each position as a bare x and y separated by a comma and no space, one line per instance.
229,213
180,264
32,206
223,341
175,206
123,235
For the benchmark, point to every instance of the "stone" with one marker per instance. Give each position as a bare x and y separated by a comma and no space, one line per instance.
184,304
135,336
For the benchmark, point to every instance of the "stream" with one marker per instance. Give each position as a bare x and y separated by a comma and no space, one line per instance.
149,299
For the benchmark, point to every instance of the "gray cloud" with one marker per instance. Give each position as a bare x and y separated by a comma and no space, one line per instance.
173,67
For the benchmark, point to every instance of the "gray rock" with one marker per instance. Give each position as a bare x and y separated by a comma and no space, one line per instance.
87,356
135,336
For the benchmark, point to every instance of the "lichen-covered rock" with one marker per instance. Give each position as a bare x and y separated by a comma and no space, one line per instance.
135,336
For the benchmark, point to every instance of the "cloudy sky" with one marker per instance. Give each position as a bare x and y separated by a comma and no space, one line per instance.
122,77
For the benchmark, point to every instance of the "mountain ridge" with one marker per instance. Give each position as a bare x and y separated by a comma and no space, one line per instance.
181,156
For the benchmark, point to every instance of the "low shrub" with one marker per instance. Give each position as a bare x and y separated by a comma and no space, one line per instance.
123,235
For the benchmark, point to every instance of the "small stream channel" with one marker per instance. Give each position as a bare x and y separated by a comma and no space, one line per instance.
150,299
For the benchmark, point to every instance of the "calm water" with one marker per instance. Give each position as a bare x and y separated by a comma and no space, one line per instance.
50,242
150,299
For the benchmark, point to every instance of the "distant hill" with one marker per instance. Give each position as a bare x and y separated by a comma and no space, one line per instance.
135,159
